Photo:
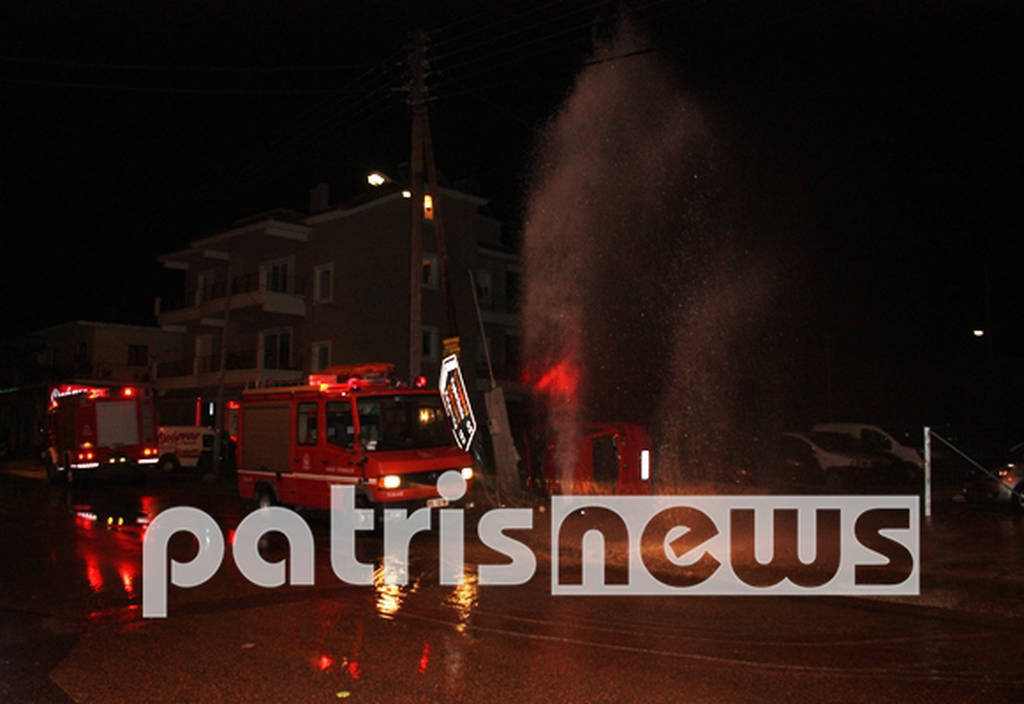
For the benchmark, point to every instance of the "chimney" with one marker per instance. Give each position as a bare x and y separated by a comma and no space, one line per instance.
319,198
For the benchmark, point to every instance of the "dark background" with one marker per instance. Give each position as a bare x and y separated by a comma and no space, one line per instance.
879,143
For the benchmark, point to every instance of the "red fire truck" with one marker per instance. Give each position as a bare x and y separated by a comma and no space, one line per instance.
99,428
611,458
351,425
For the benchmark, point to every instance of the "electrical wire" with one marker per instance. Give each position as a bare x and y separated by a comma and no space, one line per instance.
184,68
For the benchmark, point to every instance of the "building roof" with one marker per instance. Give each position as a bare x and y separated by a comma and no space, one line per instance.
292,224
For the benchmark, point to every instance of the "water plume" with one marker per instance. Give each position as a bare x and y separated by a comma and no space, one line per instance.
633,276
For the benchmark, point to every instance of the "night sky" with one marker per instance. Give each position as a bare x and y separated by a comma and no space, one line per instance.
878,144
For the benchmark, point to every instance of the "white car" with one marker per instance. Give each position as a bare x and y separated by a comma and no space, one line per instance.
874,438
816,457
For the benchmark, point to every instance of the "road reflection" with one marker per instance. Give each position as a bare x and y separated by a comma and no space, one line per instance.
390,597
464,598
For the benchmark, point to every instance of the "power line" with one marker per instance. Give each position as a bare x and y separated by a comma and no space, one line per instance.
181,90
313,123
492,41
171,68
627,55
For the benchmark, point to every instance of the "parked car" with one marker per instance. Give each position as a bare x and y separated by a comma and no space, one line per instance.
832,459
1004,485
874,438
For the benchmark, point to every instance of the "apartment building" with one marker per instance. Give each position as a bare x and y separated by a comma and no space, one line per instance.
290,292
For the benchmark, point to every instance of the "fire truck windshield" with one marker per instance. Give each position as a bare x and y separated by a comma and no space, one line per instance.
402,423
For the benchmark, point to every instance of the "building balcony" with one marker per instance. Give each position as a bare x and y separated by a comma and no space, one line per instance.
285,295
241,368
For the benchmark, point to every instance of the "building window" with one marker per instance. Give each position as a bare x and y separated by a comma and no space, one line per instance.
431,343
483,287
204,285
512,291
321,356
277,349
305,424
341,430
138,356
323,281
431,271
275,276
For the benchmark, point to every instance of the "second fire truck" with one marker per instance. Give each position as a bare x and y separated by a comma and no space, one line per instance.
92,429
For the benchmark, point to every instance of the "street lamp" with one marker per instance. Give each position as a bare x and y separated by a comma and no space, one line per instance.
979,332
378,179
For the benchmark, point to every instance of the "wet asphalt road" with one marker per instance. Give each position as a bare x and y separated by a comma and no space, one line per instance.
71,628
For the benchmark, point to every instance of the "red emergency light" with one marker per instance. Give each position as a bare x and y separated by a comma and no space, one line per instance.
354,376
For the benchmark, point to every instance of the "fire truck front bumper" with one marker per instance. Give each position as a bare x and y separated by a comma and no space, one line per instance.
411,490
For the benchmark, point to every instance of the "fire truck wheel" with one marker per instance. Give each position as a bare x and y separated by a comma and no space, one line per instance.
67,471
169,463
54,475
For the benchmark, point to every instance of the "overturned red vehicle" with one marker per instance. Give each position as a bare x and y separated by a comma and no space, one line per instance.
611,458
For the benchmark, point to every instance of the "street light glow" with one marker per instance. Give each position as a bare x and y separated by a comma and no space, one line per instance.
376,178
979,333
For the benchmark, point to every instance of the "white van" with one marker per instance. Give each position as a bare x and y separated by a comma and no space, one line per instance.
184,446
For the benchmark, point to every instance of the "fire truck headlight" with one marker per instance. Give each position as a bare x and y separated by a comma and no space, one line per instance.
390,481
467,473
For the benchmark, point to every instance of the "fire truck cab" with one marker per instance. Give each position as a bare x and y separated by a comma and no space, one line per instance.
351,425
99,428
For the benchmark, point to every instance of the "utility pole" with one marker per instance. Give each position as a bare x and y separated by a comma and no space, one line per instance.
442,244
423,157
218,413
418,101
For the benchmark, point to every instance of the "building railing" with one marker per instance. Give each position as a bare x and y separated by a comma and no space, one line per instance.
244,283
178,367
240,359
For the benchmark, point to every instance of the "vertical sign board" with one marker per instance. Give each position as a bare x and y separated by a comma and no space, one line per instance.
456,402
450,345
